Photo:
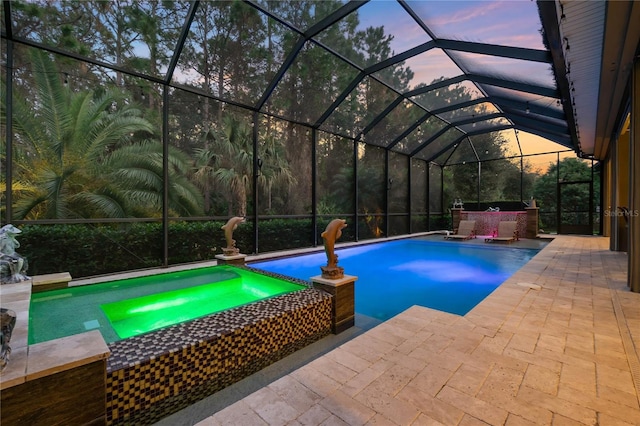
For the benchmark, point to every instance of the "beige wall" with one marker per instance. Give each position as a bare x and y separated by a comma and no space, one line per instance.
634,182
616,192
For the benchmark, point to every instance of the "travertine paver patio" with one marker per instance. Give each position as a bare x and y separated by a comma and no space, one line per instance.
554,345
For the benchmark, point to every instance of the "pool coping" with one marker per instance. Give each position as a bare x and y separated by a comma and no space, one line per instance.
31,362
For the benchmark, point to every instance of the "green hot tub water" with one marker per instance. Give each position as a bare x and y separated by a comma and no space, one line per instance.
126,308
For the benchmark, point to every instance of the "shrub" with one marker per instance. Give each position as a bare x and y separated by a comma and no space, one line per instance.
86,250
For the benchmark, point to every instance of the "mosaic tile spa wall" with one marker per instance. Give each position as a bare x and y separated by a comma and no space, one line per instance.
156,374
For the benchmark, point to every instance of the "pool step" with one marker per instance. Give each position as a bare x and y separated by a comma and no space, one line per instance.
50,282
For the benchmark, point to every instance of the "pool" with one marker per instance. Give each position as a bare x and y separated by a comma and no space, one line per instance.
395,275
130,307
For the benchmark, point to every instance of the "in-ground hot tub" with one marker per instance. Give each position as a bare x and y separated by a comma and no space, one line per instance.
129,307
163,368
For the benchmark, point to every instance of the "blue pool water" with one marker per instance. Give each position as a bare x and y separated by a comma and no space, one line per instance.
393,276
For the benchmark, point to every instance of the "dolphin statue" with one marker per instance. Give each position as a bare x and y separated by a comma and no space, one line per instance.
330,235
229,227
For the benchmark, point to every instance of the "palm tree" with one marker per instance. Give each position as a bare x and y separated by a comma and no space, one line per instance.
229,163
83,154
275,168
137,168
236,168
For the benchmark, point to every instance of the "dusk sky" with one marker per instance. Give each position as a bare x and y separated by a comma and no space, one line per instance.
509,23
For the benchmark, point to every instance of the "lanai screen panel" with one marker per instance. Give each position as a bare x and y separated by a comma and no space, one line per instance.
538,73
534,144
504,23
232,51
310,85
285,178
426,129
398,193
335,175
464,152
394,123
419,195
500,180
451,94
376,21
533,99
440,144
372,187
196,126
398,185
419,71
493,145
435,189
444,156
461,182
137,36
484,124
541,163
366,102
430,66
497,145
474,111
301,14
419,190
218,140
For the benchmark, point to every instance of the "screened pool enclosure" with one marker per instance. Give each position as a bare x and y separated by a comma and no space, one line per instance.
132,130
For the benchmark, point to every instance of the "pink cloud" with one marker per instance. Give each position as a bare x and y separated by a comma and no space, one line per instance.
483,8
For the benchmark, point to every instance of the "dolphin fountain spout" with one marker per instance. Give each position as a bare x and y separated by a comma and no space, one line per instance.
229,227
330,235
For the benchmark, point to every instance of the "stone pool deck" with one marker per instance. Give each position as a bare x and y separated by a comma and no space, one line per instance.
556,344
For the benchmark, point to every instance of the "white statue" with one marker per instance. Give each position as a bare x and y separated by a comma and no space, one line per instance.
7,323
13,267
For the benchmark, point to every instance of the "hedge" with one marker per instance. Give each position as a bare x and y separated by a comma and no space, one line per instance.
92,250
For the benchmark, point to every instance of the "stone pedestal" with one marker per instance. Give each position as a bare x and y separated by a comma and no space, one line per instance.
532,222
456,214
237,259
50,282
343,300
57,382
